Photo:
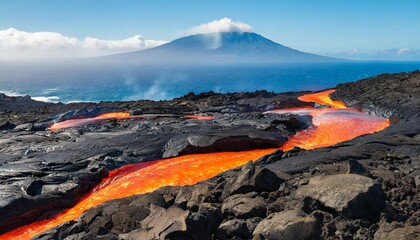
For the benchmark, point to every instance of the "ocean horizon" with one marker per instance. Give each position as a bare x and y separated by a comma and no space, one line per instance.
168,82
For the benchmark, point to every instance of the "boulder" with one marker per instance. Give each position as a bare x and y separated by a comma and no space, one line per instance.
266,180
252,223
233,228
405,233
352,195
242,183
245,206
253,179
160,223
200,193
177,223
183,196
287,225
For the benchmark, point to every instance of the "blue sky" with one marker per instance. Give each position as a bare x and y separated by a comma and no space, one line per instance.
324,26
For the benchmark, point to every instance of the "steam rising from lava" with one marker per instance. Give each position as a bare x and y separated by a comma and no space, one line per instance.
330,126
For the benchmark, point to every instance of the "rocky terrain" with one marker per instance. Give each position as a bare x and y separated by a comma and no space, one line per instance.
365,188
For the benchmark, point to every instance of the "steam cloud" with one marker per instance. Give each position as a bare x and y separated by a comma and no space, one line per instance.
221,25
155,90
16,44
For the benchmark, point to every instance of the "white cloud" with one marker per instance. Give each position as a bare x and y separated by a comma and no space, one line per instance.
21,44
221,25
135,42
403,50
12,38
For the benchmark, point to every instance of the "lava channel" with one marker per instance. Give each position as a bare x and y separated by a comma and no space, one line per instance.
145,177
103,118
330,126
111,116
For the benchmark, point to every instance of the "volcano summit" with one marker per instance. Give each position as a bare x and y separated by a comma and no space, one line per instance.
221,47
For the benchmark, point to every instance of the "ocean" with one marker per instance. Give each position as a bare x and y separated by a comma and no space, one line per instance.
74,84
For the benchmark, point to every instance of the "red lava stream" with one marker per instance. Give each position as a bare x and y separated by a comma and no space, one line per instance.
330,126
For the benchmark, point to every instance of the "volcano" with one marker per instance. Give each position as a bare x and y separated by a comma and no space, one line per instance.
221,47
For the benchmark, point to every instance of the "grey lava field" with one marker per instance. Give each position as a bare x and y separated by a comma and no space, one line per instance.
364,188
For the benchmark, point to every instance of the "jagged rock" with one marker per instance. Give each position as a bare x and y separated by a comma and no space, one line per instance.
242,183
177,223
266,180
235,139
200,193
206,219
245,206
352,195
404,233
252,223
160,224
24,127
287,225
356,168
233,228
251,179
183,196
270,158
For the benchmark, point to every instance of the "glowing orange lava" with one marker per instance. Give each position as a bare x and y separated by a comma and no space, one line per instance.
117,115
103,118
322,98
330,126
199,117
142,178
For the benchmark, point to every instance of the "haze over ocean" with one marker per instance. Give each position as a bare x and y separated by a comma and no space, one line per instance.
160,83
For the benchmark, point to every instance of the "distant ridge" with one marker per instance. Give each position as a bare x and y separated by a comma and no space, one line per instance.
224,47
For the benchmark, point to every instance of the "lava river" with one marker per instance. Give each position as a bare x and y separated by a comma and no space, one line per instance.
111,116
330,126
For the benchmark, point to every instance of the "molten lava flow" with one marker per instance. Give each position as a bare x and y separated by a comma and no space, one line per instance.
116,115
330,126
199,117
322,98
103,118
142,178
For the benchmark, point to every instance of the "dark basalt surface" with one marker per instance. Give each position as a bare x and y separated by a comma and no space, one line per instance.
361,189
